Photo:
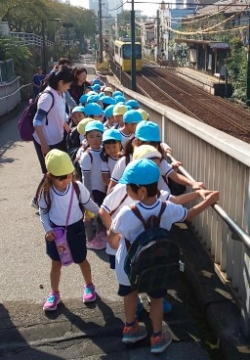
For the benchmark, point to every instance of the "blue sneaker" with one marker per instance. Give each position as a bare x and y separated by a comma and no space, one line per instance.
132,334
161,342
167,307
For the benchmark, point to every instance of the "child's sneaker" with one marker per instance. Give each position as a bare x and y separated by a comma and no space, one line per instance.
167,307
95,244
89,294
161,342
52,301
134,333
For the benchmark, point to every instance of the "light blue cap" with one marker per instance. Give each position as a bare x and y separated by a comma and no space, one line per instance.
91,92
93,98
140,172
107,100
132,116
148,131
94,125
112,134
78,109
108,112
83,98
96,87
95,81
117,93
93,109
120,99
133,104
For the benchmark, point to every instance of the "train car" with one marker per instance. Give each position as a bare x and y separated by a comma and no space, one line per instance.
123,53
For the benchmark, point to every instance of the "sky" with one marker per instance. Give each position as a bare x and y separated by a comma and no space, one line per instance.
148,9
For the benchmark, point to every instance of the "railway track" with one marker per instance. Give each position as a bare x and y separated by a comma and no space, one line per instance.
190,100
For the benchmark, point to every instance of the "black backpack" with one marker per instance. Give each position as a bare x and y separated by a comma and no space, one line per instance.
152,256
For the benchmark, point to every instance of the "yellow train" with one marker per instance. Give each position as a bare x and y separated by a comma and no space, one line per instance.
123,53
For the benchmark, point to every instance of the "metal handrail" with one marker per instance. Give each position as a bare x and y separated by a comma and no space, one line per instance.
233,226
22,86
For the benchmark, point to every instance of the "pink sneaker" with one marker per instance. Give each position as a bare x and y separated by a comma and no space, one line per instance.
89,294
102,237
95,244
52,301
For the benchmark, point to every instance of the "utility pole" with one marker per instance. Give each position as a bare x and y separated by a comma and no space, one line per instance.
100,32
133,55
157,51
248,65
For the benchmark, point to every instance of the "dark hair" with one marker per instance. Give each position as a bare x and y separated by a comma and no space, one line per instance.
63,61
78,70
155,144
62,73
152,189
103,154
45,190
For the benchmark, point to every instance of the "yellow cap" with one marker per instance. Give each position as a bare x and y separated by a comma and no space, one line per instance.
108,89
146,152
144,114
119,109
82,125
58,163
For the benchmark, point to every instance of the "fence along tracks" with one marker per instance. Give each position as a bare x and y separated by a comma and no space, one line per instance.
177,93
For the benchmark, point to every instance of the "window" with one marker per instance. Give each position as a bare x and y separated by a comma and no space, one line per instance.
127,51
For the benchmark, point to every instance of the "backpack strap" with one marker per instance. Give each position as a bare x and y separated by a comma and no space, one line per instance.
152,221
53,101
90,155
77,191
122,200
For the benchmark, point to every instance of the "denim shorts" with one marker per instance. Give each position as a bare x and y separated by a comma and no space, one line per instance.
126,290
77,243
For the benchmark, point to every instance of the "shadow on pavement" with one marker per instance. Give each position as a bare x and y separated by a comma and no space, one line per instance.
17,348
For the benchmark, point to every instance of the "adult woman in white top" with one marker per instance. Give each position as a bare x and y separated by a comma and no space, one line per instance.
49,120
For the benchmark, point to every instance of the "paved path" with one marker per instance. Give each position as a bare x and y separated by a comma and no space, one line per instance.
75,331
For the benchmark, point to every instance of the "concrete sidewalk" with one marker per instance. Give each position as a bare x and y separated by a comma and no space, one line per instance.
77,331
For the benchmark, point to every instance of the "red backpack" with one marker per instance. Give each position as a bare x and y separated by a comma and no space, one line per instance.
25,124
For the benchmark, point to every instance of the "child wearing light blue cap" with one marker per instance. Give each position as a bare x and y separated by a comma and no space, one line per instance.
148,132
109,120
90,163
130,119
94,111
83,99
111,148
106,101
119,99
117,93
133,104
141,178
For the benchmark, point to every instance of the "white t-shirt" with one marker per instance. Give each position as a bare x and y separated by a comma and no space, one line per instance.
93,165
53,132
164,167
173,213
60,203
108,166
119,168
118,198
125,138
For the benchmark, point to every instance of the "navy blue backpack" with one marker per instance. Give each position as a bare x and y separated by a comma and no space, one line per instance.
152,256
